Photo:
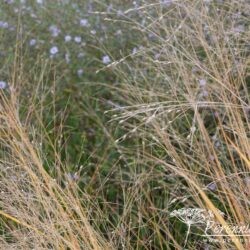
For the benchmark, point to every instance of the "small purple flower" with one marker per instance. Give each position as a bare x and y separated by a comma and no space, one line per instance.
239,29
80,72
204,93
3,84
72,177
9,1
32,42
77,39
192,129
195,69
54,50
106,59
134,50
217,144
167,3
110,8
157,56
84,22
212,186
207,1
211,158
247,180
67,38
216,114
119,13
54,30
4,25
202,82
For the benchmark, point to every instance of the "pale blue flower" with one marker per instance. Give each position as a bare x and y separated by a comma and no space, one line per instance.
84,22
204,93
80,72
77,39
54,30
4,25
3,84
67,38
32,42
202,82
167,3
54,50
212,186
72,177
119,13
239,29
9,1
106,59
134,50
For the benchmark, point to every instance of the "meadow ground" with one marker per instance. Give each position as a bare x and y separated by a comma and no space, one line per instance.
124,124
